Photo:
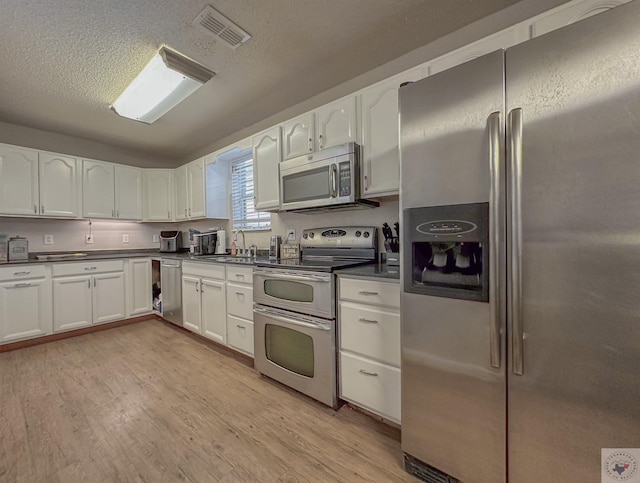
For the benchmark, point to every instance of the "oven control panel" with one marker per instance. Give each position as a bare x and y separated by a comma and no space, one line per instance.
340,237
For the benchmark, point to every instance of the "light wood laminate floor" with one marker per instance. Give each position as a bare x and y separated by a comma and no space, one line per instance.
149,403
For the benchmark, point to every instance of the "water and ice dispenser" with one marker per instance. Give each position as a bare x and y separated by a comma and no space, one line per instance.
448,251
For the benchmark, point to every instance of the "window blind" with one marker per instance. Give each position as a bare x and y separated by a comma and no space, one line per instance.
245,216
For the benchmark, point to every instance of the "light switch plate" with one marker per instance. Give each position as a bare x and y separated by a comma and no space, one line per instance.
48,239
156,238
88,238
125,238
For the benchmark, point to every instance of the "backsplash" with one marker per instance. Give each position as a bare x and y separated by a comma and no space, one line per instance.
69,235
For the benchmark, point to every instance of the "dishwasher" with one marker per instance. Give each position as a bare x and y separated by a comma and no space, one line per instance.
171,279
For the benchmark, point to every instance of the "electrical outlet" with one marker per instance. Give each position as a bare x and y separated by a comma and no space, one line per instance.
88,238
48,239
291,234
156,238
125,238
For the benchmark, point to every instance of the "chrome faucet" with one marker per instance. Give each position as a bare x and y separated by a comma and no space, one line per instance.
235,238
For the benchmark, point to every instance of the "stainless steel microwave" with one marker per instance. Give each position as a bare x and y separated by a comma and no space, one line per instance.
327,180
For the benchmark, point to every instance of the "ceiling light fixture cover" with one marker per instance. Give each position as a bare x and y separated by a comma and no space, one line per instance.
165,82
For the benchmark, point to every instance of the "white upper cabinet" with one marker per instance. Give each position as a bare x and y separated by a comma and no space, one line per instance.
98,189
336,123
158,194
380,174
196,189
111,191
190,190
328,126
298,136
128,190
60,184
570,13
267,154
18,181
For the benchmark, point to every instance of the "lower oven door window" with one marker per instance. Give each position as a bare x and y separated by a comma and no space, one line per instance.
290,349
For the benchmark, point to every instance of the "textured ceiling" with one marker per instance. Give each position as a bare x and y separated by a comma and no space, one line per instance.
64,62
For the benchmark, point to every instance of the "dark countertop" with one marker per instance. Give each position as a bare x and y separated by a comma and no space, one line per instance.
373,270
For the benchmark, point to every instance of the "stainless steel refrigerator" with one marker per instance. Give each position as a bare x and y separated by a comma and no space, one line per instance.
520,198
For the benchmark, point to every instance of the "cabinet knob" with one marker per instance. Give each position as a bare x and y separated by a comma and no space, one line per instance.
42,209
320,144
35,208
310,144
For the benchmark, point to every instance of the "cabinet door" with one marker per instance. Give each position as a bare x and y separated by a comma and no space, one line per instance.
380,141
191,312
157,194
240,301
180,180
337,123
298,136
140,293
108,297
266,180
59,185
195,177
97,189
570,13
214,310
71,303
18,181
25,310
240,334
128,193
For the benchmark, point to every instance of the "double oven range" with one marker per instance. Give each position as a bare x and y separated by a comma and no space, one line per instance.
294,312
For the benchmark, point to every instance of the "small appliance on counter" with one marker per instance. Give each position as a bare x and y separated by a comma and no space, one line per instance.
274,247
170,241
18,249
3,248
392,243
205,243
221,246
192,242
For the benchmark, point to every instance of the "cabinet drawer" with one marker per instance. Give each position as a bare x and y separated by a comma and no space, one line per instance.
240,301
209,270
370,292
240,334
20,272
240,274
370,331
371,385
86,268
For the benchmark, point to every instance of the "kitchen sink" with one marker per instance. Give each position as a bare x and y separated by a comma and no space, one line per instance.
236,259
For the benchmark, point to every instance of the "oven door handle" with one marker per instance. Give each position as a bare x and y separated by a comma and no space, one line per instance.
289,276
299,322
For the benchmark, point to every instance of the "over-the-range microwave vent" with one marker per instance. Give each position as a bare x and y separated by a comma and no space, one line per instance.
213,22
357,205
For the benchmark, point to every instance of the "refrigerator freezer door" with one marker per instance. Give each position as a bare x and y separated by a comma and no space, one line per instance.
578,89
453,351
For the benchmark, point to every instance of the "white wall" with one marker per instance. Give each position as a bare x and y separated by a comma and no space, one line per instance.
69,235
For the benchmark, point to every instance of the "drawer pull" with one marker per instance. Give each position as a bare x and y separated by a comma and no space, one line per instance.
90,268
240,293
240,326
18,285
367,373
240,275
26,272
368,321
364,292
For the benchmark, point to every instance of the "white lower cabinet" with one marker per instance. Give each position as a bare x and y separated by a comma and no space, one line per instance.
87,293
139,287
25,303
369,327
240,308
204,300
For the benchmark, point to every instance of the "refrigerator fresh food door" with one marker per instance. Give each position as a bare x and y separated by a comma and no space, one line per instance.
573,98
453,350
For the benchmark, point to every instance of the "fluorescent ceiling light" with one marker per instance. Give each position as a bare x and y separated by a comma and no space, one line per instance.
165,82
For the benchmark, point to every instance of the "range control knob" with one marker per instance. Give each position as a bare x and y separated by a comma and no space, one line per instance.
311,235
358,233
304,236
366,234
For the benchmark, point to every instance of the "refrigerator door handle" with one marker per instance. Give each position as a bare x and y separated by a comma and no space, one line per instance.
495,163
514,136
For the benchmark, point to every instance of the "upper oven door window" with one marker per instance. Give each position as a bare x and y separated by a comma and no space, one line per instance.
300,291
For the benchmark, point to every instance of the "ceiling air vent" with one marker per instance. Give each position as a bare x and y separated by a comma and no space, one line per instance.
213,22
